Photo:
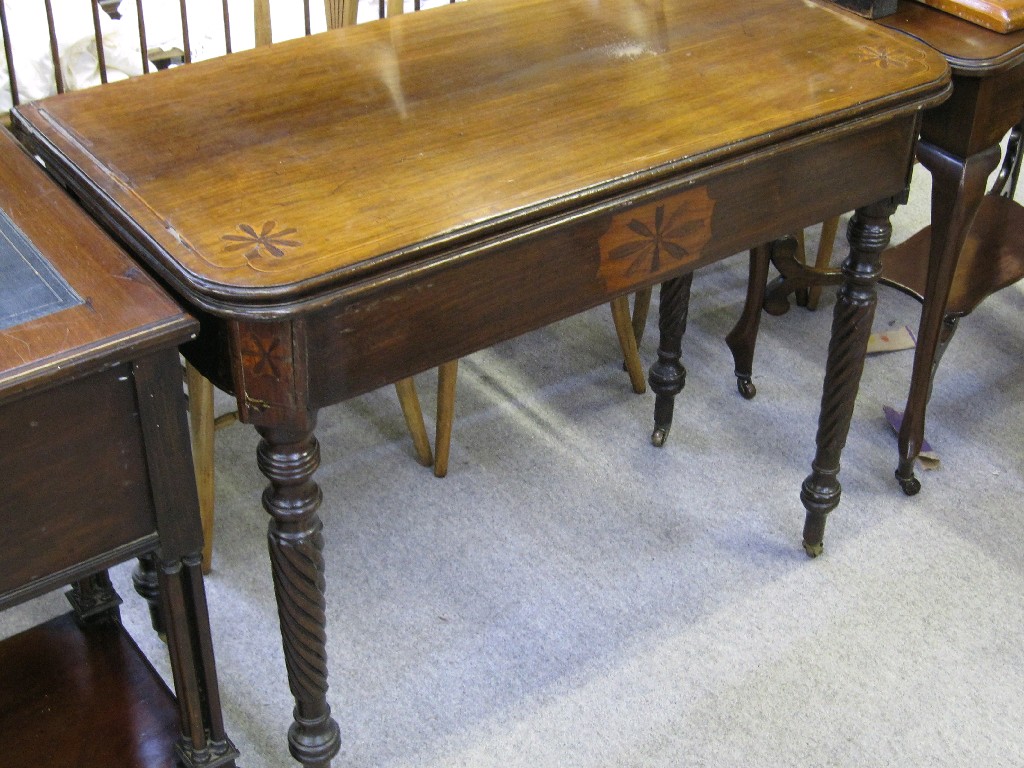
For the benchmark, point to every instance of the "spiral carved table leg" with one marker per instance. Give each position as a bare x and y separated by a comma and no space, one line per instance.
868,233
668,376
743,337
957,188
289,456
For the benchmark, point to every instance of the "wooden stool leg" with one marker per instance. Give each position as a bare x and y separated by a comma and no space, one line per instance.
410,403
627,340
823,258
446,377
201,421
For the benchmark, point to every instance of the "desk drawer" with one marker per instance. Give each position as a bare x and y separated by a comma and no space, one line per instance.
75,477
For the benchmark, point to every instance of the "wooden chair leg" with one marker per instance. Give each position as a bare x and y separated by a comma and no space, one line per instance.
410,403
627,340
641,306
446,377
201,420
823,258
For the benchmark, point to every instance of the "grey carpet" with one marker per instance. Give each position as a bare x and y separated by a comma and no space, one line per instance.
572,596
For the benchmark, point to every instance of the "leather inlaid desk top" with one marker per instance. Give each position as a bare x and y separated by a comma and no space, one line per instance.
90,300
29,285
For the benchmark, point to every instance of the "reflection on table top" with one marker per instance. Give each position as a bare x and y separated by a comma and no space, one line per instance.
273,173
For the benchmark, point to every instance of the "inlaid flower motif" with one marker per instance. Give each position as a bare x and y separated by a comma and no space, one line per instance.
883,57
665,236
265,241
264,357
656,238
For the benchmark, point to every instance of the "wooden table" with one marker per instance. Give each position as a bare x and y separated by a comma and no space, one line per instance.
349,209
974,245
96,471
972,248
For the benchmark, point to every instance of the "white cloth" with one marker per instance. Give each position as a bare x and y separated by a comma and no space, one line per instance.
76,40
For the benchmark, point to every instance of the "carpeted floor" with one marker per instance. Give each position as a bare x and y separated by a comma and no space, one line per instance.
571,596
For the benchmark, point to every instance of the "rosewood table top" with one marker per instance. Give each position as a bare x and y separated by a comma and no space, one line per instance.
346,210
383,145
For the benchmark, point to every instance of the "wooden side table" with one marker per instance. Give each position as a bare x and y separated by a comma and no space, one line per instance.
96,471
972,247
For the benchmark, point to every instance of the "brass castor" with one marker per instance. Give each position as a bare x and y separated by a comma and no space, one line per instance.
910,485
813,550
746,387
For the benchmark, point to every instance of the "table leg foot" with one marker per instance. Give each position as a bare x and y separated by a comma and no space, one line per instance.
909,483
667,376
288,456
94,600
854,312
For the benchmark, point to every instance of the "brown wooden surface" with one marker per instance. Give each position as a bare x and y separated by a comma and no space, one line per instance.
378,144
97,469
992,257
60,487
501,289
971,50
86,699
997,15
128,312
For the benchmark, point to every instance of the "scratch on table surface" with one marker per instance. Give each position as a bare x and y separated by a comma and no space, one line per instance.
25,357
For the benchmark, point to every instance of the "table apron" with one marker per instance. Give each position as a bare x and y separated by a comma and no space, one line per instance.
411,321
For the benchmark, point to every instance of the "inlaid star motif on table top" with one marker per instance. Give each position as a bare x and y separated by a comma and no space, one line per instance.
259,245
883,57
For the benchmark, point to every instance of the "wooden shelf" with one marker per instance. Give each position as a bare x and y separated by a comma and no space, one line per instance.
85,698
992,258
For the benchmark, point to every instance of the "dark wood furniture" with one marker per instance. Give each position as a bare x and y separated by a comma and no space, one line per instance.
973,246
96,471
348,209
955,265
870,9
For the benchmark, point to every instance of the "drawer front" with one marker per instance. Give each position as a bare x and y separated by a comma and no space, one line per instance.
75,477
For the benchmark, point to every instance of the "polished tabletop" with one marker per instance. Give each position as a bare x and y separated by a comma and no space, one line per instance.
383,144
972,50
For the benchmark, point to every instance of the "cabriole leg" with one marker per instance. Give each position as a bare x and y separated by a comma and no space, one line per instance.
742,339
957,189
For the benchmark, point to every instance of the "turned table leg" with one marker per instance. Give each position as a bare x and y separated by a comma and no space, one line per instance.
288,456
668,376
958,186
868,233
